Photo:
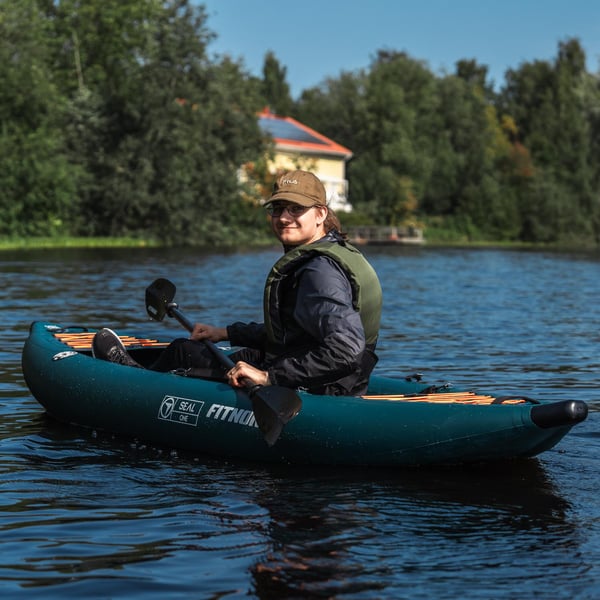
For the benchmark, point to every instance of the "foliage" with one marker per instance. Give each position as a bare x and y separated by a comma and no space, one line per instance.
522,164
152,129
274,88
36,180
115,121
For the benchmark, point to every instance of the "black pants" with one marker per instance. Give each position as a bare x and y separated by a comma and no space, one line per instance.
198,361
187,354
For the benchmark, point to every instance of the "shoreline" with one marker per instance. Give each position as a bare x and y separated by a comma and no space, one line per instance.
65,243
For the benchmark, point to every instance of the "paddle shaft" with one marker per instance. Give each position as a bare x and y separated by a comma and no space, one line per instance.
173,310
273,405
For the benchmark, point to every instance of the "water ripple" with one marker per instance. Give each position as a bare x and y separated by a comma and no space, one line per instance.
84,513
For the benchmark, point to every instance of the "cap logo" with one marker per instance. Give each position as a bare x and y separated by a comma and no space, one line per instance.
285,181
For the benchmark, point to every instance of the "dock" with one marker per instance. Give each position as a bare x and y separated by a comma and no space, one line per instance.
385,235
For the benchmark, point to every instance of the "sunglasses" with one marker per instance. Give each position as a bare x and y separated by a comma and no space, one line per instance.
294,210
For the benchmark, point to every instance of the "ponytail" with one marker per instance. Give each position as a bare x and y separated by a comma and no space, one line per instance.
332,223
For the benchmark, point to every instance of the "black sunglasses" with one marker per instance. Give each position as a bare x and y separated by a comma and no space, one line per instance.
294,210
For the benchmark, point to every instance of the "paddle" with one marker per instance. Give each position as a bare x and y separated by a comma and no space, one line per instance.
273,405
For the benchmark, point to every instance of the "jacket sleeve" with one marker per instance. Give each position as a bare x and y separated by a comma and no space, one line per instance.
251,335
334,331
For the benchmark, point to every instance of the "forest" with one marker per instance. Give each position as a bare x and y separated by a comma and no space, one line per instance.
117,120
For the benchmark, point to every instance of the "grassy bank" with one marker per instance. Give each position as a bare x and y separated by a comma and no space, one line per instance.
73,242
43,243
433,238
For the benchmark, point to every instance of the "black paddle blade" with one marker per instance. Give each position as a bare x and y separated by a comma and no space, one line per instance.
158,295
269,425
273,407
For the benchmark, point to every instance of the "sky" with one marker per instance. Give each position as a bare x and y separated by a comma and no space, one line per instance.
317,39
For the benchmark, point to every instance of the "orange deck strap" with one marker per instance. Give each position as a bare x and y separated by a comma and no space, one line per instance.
443,397
83,340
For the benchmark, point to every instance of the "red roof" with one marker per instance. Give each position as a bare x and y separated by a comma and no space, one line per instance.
290,134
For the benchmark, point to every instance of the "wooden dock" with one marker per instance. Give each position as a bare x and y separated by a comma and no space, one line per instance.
385,236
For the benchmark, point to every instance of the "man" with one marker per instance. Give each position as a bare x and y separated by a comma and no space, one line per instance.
322,307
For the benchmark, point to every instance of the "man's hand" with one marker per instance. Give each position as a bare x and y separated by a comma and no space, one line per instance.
202,331
242,372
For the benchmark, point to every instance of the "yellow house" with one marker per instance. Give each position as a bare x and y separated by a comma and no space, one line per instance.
299,146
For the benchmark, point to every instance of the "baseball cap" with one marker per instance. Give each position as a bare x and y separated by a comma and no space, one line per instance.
300,187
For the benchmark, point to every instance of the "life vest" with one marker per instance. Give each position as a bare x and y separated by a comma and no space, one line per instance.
366,289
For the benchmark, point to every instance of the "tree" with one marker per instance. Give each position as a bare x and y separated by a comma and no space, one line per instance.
162,130
36,181
476,75
337,109
547,101
395,144
467,180
274,87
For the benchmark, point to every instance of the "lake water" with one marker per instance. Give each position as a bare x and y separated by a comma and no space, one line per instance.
85,514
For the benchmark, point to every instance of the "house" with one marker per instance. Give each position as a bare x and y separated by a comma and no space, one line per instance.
299,146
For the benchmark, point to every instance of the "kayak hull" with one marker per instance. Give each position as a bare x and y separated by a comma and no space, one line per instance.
210,417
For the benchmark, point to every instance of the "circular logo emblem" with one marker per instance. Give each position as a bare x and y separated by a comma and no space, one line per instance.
166,407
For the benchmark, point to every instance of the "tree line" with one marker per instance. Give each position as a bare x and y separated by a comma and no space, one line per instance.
116,120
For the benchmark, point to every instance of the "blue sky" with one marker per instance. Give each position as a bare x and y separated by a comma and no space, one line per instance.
316,39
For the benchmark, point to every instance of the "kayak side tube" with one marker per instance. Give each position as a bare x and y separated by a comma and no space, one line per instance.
557,414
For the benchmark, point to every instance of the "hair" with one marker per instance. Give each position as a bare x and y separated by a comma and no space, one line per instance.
332,223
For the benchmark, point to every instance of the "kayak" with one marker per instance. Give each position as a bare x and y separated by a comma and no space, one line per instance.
399,422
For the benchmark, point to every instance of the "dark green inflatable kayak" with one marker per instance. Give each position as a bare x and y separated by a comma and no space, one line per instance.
398,423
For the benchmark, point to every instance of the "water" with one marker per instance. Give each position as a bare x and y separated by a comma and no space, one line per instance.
84,514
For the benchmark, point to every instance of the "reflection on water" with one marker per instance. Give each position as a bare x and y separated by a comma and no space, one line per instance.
293,531
356,530
84,513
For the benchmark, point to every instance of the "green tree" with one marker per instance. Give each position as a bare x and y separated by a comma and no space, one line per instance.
591,103
547,101
466,182
161,129
337,109
394,150
274,87
114,121
36,182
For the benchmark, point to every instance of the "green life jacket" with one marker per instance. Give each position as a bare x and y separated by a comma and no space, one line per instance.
366,289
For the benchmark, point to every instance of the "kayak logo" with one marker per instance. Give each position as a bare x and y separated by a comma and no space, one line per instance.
242,416
180,410
187,412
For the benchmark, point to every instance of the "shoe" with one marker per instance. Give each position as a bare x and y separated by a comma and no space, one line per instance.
106,345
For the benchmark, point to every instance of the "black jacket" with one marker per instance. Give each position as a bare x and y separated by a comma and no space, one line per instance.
324,348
